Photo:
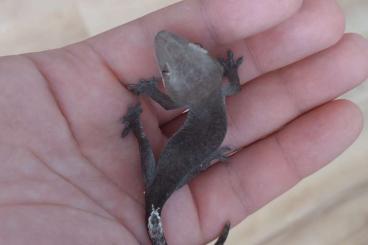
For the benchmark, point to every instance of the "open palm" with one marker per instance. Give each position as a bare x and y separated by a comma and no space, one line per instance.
66,175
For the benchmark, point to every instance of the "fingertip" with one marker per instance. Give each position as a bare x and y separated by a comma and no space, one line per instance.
319,136
354,117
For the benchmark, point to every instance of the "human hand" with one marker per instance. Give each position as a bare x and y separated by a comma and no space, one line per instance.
67,177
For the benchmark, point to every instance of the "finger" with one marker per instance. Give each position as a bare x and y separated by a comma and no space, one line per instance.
128,50
317,26
256,175
269,102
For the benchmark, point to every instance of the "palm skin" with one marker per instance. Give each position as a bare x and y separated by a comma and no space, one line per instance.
66,175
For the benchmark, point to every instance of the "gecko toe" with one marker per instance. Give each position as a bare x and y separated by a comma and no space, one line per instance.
239,61
230,55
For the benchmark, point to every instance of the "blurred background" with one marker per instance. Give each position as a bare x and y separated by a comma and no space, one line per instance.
330,207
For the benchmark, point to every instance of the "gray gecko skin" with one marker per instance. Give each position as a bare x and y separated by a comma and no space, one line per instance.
193,79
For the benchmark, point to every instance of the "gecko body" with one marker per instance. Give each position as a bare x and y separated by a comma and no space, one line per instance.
192,79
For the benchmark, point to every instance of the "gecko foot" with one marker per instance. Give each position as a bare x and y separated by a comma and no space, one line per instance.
231,65
143,85
131,118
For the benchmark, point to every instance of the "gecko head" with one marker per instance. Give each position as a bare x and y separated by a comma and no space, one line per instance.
189,72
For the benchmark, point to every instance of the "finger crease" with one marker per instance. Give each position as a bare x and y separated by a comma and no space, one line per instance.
284,83
233,177
291,165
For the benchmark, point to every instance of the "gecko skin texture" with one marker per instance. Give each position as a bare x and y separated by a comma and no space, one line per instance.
192,79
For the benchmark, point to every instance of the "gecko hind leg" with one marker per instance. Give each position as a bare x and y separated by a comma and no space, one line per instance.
132,122
220,155
231,67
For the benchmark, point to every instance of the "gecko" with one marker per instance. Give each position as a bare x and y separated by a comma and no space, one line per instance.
192,79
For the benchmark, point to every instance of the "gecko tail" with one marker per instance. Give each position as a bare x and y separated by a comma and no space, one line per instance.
223,236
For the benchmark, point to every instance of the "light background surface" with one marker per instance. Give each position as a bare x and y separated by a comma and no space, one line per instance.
330,207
